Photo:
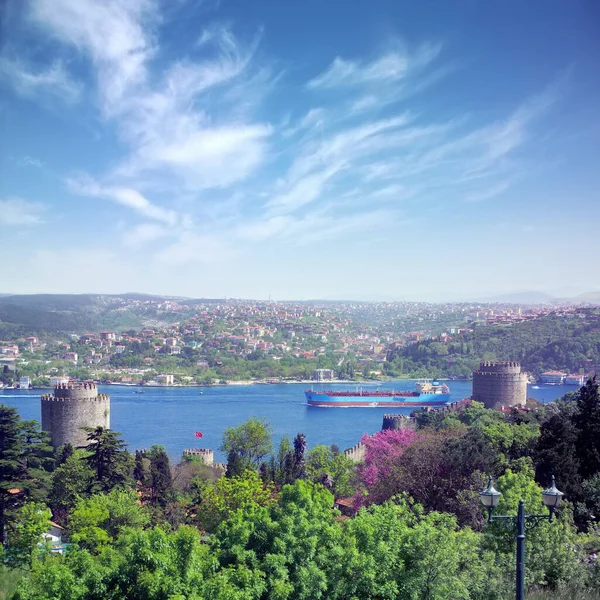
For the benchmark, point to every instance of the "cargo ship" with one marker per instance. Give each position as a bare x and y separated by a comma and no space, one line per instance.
426,393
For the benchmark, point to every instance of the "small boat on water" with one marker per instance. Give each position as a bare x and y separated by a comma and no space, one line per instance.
426,393
139,392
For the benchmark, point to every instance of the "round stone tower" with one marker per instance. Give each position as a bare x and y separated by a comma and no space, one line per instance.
499,384
71,407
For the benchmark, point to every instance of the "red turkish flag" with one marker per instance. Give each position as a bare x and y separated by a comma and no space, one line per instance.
198,434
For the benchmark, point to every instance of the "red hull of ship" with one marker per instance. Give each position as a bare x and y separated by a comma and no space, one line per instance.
376,404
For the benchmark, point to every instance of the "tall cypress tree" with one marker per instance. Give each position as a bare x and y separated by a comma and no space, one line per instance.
139,471
299,449
160,473
556,454
587,421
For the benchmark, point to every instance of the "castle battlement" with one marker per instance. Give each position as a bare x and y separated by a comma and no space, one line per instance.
206,454
500,384
71,407
53,398
396,421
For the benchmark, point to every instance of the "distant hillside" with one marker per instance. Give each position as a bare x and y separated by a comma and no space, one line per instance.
542,344
528,297
589,297
39,314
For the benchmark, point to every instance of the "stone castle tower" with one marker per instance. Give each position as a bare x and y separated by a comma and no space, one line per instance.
71,407
499,384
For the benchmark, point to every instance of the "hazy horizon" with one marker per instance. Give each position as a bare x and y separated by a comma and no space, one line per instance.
430,151
515,297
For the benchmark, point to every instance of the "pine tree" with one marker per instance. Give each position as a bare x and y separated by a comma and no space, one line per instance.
12,472
25,461
64,452
38,459
107,457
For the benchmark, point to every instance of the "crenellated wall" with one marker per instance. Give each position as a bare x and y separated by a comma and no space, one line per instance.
71,407
356,453
206,454
499,384
396,422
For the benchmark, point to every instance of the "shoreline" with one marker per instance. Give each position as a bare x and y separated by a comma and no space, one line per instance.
249,382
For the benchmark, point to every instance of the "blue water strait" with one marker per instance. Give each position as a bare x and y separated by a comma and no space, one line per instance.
171,416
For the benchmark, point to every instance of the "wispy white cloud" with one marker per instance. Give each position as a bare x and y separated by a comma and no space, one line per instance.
391,66
489,193
20,213
198,132
127,197
31,82
315,226
116,35
170,121
29,161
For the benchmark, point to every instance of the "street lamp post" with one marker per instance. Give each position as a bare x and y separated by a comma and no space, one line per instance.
490,498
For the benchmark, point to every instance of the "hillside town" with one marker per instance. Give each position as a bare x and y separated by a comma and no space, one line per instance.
202,343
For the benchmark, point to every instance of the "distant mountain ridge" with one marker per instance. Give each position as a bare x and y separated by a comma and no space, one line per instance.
526,297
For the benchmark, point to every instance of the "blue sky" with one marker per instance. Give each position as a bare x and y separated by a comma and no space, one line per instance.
363,150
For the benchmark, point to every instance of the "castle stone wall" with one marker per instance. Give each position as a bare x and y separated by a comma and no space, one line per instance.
500,384
206,454
356,453
396,422
71,407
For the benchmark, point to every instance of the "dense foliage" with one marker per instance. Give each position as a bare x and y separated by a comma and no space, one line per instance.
540,344
412,526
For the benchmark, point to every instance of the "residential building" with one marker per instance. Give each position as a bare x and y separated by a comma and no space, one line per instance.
24,383
71,357
323,375
552,377
165,379
574,380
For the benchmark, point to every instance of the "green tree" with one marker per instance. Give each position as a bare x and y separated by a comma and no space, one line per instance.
294,543
251,441
25,533
396,550
98,520
556,454
25,458
70,481
160,474
299,462
587,421
230,494
108,458
139,471
12,472
38,459
322,462
552,557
